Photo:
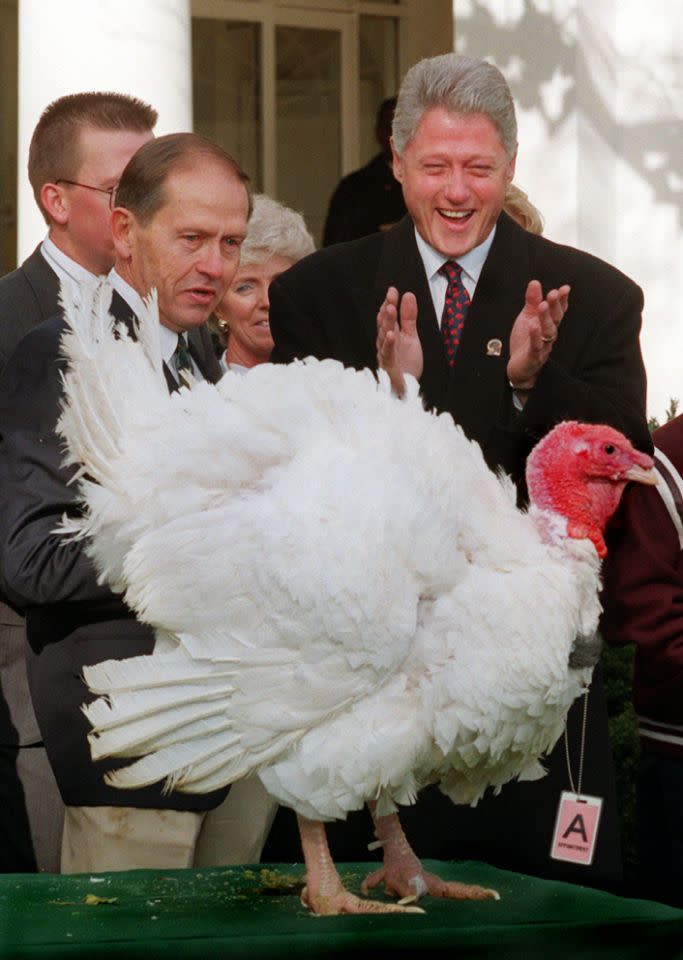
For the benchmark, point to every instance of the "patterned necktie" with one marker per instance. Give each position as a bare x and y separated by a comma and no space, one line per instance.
454,309
182,360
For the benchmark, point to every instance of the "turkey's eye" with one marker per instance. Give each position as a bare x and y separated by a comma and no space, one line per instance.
609,449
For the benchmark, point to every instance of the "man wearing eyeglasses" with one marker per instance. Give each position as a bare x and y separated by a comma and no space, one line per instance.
78,151
79,148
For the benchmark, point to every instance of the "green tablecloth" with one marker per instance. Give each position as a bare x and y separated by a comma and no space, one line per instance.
255,912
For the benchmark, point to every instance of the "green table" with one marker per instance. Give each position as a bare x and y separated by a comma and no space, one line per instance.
255,912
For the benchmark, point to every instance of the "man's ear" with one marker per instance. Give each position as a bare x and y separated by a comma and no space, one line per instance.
123,227
55,203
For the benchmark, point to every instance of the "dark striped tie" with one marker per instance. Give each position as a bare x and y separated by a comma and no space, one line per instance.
182,360
454,309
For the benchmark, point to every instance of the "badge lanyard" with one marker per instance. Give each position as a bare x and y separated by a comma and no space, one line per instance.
576,824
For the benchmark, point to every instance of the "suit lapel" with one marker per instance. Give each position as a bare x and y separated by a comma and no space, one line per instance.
478,390
400,265
124,313
475,391
197,343
201,350
121,311
43,281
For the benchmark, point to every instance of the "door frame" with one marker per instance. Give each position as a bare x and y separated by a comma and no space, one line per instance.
340,16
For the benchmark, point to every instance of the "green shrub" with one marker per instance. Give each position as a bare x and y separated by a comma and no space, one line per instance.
623,731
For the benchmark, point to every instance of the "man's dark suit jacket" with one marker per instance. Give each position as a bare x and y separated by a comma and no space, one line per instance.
28,296
326,306
71,619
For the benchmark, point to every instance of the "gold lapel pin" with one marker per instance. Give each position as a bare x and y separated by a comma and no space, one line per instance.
494,348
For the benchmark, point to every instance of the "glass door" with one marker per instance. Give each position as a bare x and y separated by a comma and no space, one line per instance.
308,120
292,92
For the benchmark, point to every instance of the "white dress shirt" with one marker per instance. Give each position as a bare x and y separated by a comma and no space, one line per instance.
69,273
167,338
471,262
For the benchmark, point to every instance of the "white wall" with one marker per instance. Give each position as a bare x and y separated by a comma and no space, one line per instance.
138,47
599,92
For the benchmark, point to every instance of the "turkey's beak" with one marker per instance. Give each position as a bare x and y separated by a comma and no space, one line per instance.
642,475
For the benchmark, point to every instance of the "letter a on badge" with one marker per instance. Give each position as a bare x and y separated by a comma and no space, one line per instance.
576,828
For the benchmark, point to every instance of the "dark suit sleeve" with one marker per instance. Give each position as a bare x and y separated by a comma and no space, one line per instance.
28,296
324,307
18,312
607,383
37,565
297,331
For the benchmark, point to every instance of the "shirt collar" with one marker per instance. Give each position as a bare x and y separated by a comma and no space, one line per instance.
128,293
68,270
167,338
471,262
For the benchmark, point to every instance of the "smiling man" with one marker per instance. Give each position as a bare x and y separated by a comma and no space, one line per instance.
507,332
180,218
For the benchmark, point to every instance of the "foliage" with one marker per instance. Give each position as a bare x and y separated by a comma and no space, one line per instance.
671,411
623,732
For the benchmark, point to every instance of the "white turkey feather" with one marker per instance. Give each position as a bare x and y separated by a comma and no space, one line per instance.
341,573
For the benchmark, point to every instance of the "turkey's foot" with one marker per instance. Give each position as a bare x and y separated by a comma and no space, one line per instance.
404,876
398,883
329,903
324,892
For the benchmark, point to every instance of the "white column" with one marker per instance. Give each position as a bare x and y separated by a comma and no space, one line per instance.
138,47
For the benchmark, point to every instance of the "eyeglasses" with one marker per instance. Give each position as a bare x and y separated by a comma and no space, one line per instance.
110,191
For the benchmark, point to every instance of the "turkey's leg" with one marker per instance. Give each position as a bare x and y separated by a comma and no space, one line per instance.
403,874
324,892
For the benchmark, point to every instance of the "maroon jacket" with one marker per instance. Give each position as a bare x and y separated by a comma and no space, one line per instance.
643,595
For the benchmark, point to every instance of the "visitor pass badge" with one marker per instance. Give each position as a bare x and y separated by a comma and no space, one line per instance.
576,828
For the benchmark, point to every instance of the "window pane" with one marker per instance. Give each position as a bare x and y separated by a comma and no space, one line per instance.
225,89
308,73
378,75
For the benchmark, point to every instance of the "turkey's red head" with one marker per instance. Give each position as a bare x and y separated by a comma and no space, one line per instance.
579,470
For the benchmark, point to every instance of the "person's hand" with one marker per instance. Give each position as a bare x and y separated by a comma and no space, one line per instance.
399,350
534,333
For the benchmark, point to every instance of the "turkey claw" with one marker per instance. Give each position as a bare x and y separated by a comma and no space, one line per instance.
425,883
344,902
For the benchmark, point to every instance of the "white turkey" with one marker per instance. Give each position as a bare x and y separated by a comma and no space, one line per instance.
347,600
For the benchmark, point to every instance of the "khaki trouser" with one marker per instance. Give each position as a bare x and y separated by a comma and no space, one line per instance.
128,838
44,806
236,831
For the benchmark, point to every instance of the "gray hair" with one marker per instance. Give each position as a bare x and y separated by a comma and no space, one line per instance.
459,84
274,229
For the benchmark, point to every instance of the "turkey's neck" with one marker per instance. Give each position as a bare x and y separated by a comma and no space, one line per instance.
585,505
